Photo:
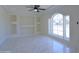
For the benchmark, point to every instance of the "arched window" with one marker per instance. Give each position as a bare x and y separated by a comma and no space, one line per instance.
58,25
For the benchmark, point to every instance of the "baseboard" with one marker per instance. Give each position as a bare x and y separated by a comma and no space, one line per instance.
18,36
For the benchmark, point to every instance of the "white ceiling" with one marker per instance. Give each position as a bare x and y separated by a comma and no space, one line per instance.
21,9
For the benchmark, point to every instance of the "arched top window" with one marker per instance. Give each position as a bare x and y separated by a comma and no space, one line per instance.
57,19
58,25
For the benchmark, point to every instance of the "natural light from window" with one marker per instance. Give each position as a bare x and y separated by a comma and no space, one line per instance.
58,25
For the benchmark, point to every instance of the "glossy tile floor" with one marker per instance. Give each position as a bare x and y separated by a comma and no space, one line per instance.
33,44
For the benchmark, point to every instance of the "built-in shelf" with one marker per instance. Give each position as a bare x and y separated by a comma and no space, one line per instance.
24,27
38,32
13,29
14,23
38,22
27,26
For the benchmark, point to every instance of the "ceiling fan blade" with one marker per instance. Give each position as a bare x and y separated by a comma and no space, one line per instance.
41,9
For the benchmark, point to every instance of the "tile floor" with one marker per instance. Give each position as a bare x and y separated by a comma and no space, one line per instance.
33,44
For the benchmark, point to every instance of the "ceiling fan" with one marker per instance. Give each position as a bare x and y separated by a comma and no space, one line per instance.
35,8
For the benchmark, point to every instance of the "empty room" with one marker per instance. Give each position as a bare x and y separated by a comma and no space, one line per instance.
39,28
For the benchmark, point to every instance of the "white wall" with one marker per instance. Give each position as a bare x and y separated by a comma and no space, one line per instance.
73,11
4,25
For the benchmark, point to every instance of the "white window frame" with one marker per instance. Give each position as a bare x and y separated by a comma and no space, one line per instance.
64,27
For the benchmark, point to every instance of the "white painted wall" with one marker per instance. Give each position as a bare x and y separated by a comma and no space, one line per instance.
73,11
4,25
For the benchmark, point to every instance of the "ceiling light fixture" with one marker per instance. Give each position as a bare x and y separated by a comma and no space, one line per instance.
35,9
